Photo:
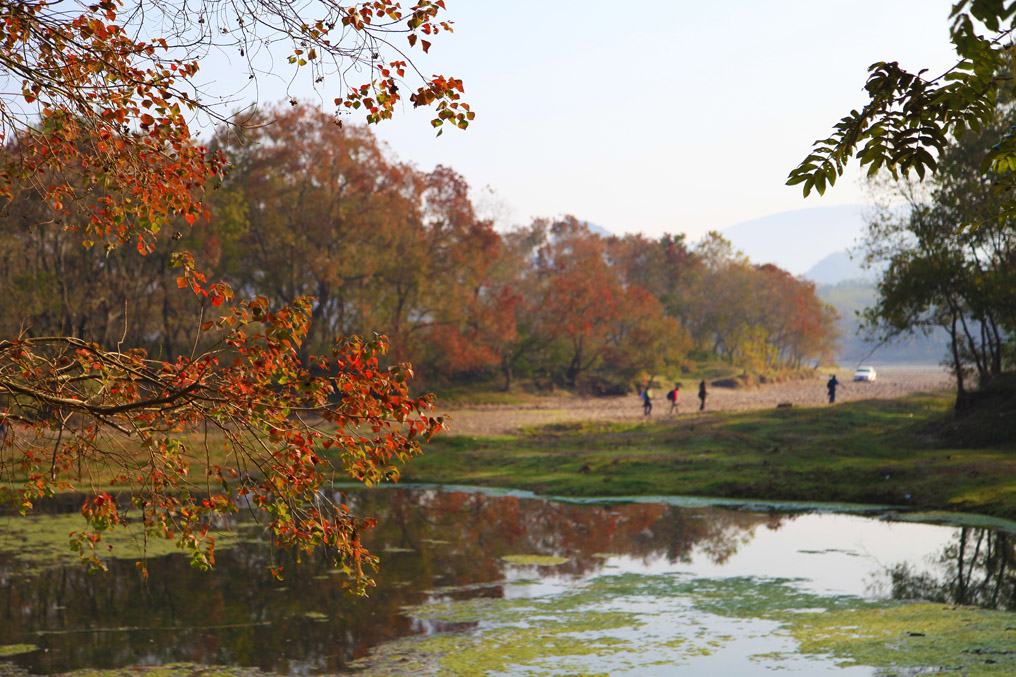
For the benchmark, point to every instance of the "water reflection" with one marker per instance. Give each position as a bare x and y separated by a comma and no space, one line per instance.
432,544
978,568
451,545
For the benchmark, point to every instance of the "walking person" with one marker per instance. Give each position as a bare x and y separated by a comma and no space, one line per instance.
647,401
831,386
672,396
702,395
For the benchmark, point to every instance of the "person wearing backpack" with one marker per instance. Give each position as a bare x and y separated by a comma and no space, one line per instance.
672,396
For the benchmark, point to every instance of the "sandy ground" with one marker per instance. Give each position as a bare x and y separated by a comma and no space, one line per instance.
892,382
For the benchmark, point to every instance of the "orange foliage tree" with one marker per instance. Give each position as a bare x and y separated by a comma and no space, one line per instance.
598,319
96,123
325,207
758,317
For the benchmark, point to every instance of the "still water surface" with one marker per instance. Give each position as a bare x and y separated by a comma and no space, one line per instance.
617,586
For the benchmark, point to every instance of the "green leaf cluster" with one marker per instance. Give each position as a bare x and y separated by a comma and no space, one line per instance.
910,118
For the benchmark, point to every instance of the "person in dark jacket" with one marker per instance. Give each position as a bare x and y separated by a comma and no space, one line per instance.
831,386
702,395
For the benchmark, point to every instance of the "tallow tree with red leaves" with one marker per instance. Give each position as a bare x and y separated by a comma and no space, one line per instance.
96,123
324,208
597,318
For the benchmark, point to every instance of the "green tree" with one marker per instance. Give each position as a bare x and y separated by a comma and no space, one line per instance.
941,274
911,118
950,257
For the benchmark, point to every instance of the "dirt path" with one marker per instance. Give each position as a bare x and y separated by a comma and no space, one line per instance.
892,382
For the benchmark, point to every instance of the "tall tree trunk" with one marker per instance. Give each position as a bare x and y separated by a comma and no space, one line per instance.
972,346
961,586
961,393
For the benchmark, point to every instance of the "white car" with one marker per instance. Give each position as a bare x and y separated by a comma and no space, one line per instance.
864,374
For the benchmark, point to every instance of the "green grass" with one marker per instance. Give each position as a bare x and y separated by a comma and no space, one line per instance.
882,452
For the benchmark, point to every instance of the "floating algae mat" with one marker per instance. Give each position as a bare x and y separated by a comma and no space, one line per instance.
480,584
15,649
636,624
535,560
42,541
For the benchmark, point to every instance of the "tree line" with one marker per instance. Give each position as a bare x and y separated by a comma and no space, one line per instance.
311,207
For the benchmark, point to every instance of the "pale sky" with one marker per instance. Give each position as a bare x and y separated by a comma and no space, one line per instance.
657,116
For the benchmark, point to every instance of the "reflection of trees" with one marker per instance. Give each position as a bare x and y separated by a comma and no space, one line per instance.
978,568
481,529
727,531
430,543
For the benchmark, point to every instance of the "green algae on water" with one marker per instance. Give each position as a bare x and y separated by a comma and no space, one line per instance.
43,541
632,622
174,670
772,598
942,637
956,519
936,637
534,560
603,627
7,650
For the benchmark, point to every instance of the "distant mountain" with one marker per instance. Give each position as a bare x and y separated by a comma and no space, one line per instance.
851,297
837,267
798,240
597,230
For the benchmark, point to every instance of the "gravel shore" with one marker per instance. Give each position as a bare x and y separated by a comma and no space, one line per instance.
892,382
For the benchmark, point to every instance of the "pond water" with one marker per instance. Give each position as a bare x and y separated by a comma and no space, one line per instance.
475,583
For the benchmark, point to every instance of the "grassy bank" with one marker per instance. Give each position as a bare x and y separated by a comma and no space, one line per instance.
882,452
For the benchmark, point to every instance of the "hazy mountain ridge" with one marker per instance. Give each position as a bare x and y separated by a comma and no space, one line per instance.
851,297
799,240
816,244
838,267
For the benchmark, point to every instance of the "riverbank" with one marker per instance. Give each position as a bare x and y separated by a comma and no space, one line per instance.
526,411
886,452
